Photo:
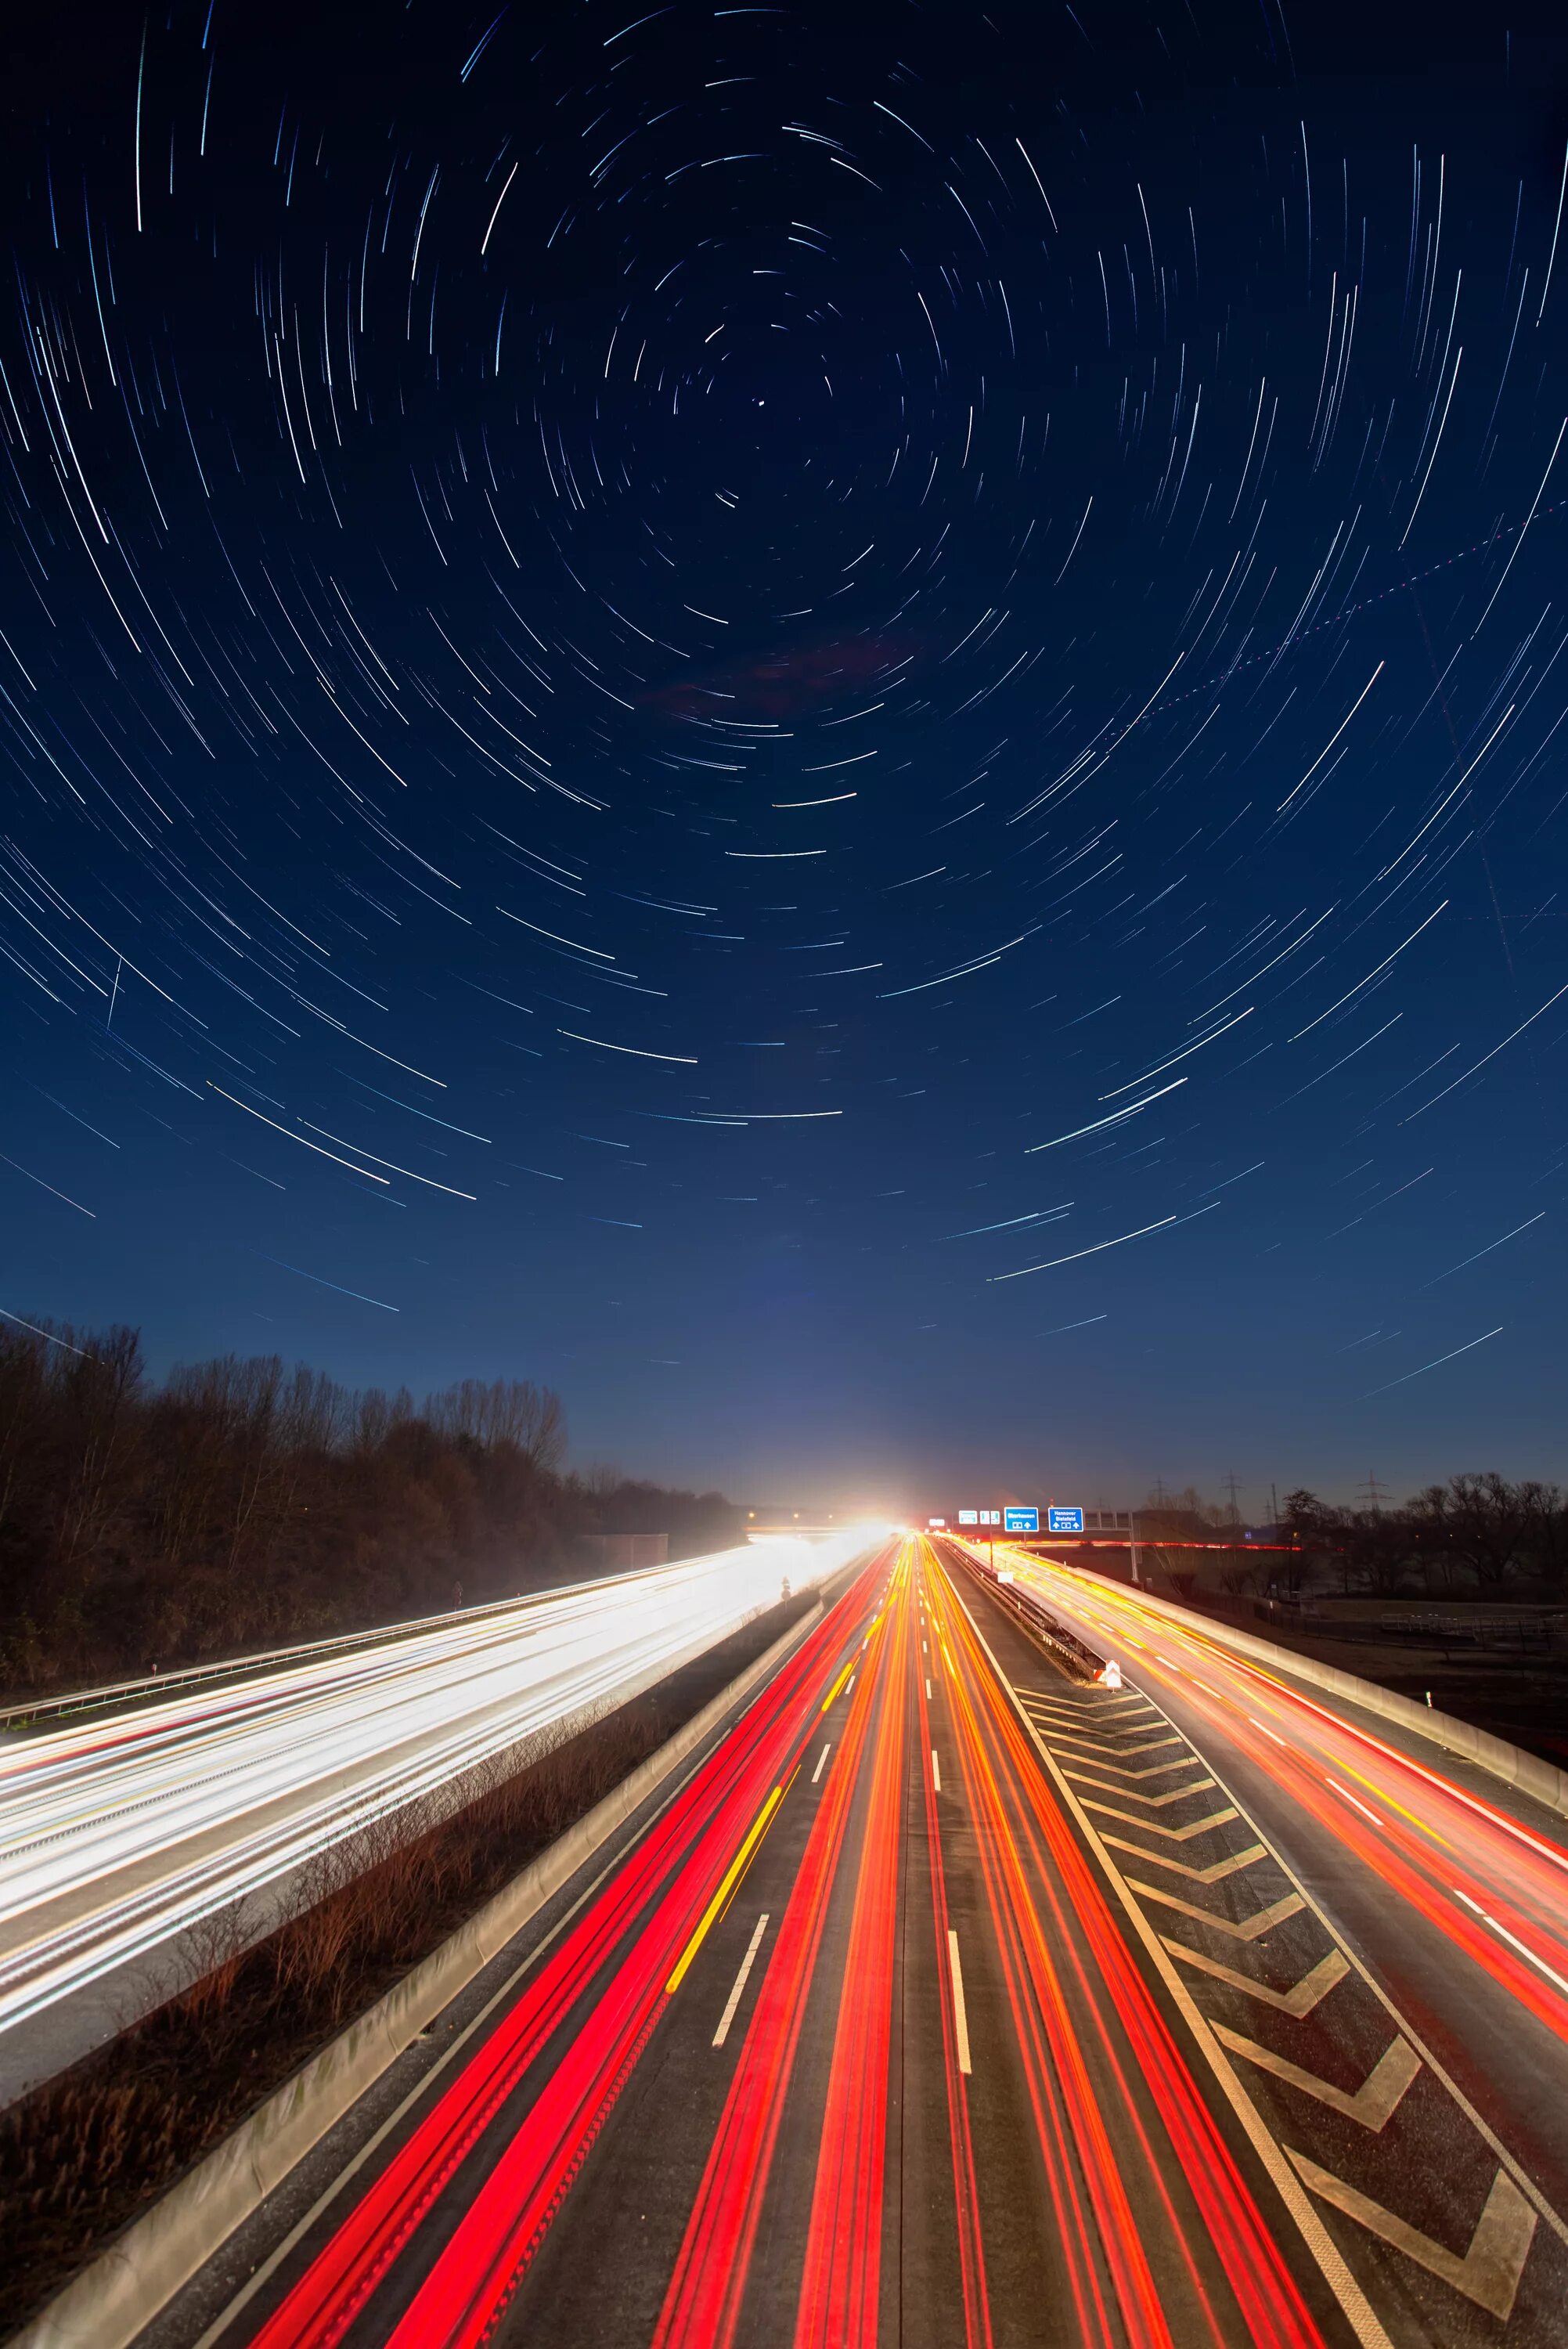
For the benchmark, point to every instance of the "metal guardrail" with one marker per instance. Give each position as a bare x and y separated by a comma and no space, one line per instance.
1036,1620
1485,1627
118,1695
1536,1635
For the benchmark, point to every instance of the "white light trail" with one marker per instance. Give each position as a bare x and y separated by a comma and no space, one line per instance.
118,1833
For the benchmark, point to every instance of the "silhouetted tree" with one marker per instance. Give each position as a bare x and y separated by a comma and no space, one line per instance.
1482,1520
242,1504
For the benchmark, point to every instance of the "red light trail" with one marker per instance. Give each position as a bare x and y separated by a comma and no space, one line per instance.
897,1887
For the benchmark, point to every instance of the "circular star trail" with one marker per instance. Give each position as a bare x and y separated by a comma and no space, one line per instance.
842,724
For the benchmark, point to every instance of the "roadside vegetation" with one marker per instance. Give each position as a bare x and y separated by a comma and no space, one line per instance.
238,1505
1477,1537
1457,1598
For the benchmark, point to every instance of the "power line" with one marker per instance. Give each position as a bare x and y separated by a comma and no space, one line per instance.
1374,1494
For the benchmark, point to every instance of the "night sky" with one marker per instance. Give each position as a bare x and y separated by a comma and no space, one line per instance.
844,725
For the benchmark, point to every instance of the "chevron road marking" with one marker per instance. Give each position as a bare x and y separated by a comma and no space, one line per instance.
1060,1739
1250,1928
1079,1749
1101,1737
1176,1794
1064,1709
1075,1714
1309,1992
1491,2271
1362,2317
1153,1827
1215,1874
1372,2102
1054,1695
1157,1770
1065,1726
1488,2274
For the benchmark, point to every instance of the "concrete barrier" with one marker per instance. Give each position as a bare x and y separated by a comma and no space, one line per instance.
1066,1649
124,2288
1541,1780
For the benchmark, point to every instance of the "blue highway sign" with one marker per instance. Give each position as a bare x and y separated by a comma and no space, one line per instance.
1064,1521
1021,1521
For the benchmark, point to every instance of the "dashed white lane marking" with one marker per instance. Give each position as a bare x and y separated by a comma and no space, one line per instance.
959,2013
1512,1940
821,1760
936,1771
928,1691
733,2000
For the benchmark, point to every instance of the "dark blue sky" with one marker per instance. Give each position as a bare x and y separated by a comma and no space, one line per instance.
843,725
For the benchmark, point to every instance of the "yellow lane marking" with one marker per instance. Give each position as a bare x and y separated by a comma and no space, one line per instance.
1388,1803
732,1878
839,1683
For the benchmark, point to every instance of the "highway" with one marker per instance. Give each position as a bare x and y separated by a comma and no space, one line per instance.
1450,1889
951,1999
119,1834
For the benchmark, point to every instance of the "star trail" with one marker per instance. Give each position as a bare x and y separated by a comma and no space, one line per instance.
747,708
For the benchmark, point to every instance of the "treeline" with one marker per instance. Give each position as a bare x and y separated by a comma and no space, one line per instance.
1474,1534
1477,1534
242,1504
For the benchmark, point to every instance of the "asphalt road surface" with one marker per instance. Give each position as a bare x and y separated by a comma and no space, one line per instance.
952,2000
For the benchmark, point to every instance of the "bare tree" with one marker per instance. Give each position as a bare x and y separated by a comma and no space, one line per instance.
1480,1519
515,1412
245,1501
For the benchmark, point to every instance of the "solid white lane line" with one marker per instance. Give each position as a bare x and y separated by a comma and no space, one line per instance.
960,2016
821,1758
727,2017
936,1771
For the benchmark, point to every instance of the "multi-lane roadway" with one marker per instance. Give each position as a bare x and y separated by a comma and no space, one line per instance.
119,1831
949,1999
